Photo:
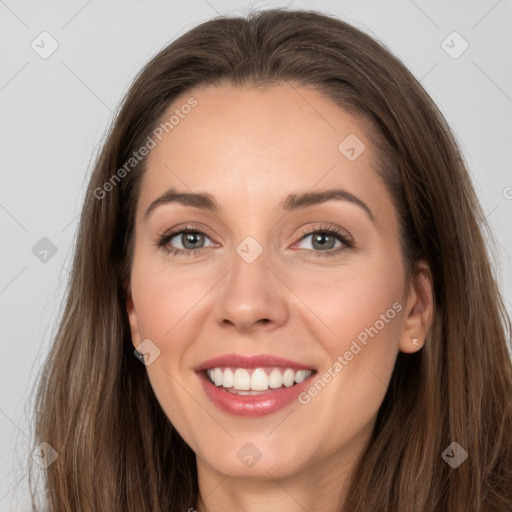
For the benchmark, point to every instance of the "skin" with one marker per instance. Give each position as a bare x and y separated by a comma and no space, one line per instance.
249,149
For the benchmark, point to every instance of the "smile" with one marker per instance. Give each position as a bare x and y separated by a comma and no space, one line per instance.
253,385
247,381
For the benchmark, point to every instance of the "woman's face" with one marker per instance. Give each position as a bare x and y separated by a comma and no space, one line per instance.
276,280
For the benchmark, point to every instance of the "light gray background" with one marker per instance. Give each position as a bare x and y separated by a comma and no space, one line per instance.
55,112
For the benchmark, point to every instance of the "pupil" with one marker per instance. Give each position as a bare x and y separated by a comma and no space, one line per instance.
321,238
192,238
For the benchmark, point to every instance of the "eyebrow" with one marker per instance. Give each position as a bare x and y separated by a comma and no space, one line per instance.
205,201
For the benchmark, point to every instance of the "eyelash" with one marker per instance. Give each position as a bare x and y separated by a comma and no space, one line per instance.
163,240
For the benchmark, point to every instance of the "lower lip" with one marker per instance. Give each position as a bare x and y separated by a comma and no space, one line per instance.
251,405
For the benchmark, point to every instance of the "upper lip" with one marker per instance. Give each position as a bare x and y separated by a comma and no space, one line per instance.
250,361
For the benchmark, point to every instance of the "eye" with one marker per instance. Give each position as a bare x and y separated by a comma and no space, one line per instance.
189,240
183,242
324,241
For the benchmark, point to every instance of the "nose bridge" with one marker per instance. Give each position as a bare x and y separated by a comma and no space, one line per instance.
251,293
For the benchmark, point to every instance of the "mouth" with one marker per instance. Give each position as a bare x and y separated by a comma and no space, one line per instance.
256,381
253,385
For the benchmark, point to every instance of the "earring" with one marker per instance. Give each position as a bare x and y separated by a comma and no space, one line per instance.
415,341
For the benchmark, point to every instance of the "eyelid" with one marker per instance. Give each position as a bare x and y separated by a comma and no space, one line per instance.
335,231
187,227
343,236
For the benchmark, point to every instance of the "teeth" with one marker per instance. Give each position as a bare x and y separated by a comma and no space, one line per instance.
242,380
275,379
301,376
228,378
259,379
288,377
217,376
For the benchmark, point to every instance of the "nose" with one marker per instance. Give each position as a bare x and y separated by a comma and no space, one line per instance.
252,295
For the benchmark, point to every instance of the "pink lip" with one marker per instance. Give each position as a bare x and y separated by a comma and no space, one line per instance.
253,361
251,405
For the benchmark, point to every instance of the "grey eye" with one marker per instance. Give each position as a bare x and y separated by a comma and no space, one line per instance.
188,240
322,240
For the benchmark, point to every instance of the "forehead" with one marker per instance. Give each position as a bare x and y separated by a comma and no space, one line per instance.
252,147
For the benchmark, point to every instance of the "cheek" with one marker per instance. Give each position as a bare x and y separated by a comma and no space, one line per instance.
163,299
358,302
367,309
360,313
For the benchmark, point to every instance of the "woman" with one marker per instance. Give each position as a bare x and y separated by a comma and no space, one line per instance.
281,226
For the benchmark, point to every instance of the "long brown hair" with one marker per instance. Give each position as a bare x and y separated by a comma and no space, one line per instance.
95,406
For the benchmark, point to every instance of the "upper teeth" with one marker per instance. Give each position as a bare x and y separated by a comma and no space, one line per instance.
260,379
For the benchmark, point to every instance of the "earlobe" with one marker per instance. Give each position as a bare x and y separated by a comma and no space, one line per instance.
134,322
418,311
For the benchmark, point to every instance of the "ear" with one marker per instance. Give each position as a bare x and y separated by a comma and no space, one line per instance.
134,322
419,309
